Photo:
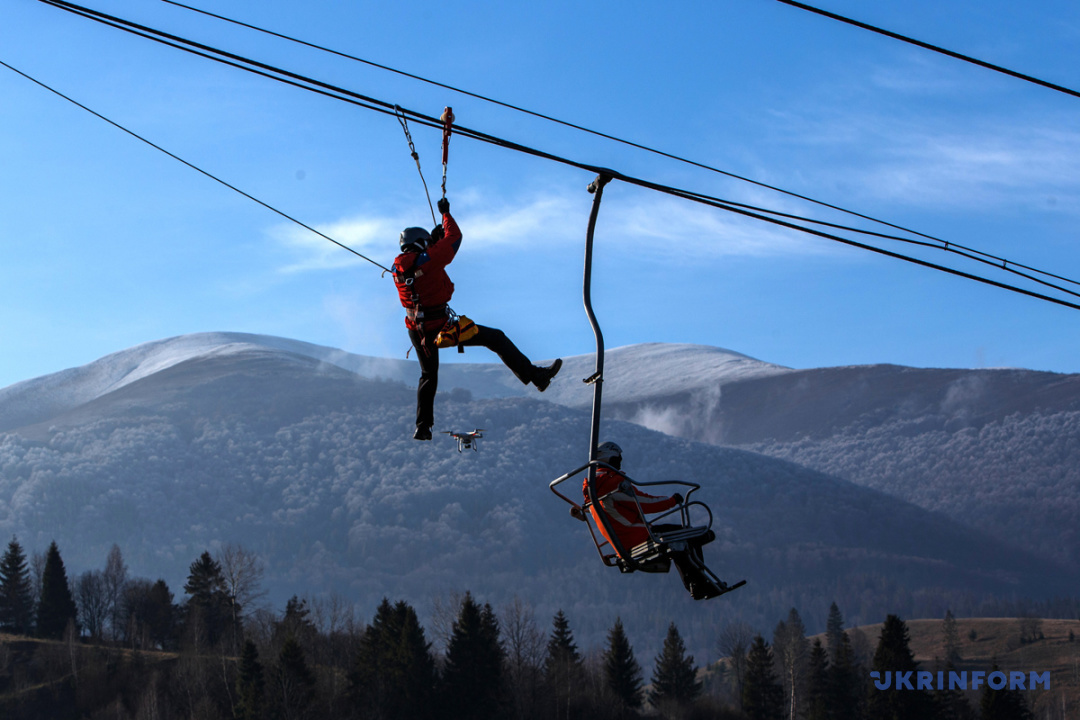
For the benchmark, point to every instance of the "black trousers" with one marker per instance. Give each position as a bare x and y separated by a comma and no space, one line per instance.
428,355
687,562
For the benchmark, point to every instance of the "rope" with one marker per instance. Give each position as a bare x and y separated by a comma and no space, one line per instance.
400,114
448,124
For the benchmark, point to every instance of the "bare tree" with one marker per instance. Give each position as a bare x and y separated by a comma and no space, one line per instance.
1030,628
444,613
114,580
37,571
242,573
792,651
525,647
92,602
734,643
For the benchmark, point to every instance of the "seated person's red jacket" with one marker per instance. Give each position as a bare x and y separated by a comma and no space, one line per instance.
621,509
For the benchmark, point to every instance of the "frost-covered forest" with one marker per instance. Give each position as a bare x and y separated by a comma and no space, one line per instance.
998,450
311,467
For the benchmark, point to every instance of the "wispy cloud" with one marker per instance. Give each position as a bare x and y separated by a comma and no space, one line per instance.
658,225
669,226
372,236
1005,166
995,163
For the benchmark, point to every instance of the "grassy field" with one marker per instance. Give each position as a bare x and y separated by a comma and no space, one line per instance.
986,640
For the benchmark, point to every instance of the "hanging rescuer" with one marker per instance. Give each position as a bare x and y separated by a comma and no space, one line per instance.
425,289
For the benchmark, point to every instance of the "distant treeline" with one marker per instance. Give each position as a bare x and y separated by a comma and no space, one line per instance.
111,646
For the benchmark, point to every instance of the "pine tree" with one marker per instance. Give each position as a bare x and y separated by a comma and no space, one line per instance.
817,683
563,668
16,591
621,670
161,615
674,680
763,696
296,622
951,637
417,666
369,681
250,685
207,609
952,704
472,684
295,683
1003,704
56,607
834,629
394,673
148,614
846,689
893,655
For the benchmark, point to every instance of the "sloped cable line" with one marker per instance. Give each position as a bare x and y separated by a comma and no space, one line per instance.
954,248
947,245
568,124
848,241
422,119
194,167
564,123
933,48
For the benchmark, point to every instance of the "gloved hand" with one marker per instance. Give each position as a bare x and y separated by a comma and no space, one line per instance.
677,498
444,206
577,514
436,234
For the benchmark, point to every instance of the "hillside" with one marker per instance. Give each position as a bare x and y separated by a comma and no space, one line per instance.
311,466
986,641
993,449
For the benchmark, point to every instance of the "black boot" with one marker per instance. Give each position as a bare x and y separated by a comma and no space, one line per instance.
542,377
422,433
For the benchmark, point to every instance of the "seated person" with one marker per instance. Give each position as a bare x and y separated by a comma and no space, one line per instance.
631,529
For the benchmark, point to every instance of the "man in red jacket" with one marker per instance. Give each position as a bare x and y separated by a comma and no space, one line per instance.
631,528
424,289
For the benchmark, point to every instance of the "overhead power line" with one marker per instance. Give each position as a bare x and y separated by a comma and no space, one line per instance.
371,103
194,167
934,48
325,89
977,255
549,118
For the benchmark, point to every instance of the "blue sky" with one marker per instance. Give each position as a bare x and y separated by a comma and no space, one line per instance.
106,243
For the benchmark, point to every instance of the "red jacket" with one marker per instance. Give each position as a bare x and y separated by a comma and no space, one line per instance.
621,509
431,286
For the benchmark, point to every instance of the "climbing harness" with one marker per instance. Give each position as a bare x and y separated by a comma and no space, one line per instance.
400,115
448,124
457,330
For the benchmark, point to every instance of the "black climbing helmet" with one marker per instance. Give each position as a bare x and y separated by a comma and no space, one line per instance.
609,453
414,239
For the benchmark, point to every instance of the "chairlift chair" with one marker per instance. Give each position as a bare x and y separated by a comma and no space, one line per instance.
652,555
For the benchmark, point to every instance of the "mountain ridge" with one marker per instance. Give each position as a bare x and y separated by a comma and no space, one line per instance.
311,467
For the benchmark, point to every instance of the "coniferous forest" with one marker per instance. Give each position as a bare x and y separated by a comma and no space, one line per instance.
103,644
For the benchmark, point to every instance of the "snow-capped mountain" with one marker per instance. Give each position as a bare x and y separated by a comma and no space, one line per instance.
303,454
